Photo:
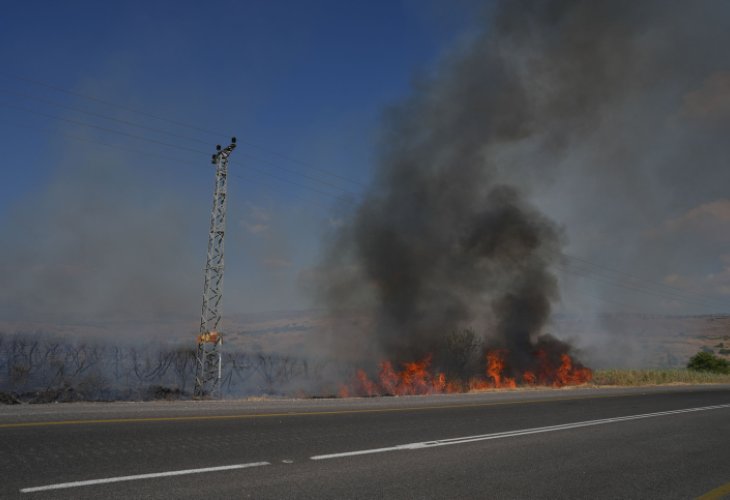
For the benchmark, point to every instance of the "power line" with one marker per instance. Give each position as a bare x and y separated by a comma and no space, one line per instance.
671,293
247,169
628,286
105,117
171,134
179,123
275,189
104,129
583,273
316,179
669,288
306,164
109,103
629,307
633,283
629,279
175,146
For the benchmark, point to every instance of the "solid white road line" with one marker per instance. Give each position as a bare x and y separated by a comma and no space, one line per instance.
521,432
91,482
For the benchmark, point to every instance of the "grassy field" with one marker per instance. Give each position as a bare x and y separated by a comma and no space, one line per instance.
657,377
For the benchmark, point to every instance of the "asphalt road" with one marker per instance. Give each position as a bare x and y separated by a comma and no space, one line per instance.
532,444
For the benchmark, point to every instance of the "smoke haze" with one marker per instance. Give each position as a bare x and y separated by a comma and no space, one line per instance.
584,127
95,243
595,129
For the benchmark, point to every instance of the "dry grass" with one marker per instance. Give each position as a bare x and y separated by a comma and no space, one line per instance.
657,377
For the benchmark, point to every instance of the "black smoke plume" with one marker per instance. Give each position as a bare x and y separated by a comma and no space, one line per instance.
440,243
449,237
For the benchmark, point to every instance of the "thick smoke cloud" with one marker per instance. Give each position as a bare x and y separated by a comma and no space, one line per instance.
563,124
97,243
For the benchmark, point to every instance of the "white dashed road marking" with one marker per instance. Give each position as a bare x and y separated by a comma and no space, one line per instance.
90,482
522,432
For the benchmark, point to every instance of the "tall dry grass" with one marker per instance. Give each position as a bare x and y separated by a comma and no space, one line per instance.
657,377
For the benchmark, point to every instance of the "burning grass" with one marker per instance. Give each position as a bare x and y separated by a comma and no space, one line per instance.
418,377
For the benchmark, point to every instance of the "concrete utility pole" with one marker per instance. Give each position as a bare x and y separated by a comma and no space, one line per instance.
208,357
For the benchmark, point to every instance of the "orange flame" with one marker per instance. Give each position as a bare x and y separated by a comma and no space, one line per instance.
495,369
388,378
366,385
344,391
567,374
416,378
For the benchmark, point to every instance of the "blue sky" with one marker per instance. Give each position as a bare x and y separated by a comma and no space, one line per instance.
302,85
305,79
110,111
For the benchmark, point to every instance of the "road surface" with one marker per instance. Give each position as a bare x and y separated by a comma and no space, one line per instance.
577,443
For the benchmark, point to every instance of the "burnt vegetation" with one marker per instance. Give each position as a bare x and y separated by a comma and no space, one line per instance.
38,368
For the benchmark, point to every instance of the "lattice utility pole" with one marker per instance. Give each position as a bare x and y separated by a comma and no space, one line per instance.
208,358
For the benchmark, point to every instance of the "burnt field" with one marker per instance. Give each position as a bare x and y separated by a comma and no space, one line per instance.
41,368
266,355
